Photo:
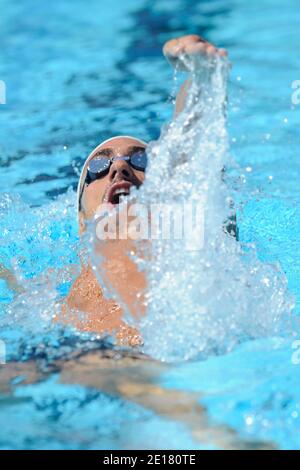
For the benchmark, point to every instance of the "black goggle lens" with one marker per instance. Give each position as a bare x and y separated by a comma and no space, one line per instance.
139,161
98,167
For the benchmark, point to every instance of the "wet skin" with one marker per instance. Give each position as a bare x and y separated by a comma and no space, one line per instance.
105,316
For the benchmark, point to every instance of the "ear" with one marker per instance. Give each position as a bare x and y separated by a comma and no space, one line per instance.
81,223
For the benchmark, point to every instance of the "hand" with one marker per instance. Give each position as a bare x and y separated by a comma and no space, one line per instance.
182,53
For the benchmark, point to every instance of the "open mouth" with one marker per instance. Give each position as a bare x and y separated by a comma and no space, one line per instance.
117,190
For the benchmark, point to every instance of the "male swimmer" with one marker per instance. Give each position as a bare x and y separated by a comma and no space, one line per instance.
110,171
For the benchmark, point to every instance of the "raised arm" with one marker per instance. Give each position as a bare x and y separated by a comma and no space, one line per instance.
183,54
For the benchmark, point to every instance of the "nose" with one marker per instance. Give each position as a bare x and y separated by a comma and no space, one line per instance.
120,169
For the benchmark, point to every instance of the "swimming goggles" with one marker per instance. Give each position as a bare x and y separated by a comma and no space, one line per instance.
99,166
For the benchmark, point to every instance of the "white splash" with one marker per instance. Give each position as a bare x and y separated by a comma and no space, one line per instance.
203,301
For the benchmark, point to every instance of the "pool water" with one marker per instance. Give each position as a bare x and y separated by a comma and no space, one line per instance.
72,82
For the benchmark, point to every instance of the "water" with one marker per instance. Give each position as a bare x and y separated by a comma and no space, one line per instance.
248,396
204,298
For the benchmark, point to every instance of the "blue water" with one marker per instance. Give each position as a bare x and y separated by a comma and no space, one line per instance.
74,80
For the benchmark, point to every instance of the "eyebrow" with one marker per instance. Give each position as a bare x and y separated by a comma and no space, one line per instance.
109,151
134,148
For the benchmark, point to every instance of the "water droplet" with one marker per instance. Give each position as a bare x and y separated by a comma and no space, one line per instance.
249,420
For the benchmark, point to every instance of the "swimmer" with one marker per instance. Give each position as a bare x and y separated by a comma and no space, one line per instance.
110,171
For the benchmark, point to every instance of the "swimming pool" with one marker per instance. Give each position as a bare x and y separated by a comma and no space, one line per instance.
70,84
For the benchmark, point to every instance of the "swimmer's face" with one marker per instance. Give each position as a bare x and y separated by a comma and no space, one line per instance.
118,180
